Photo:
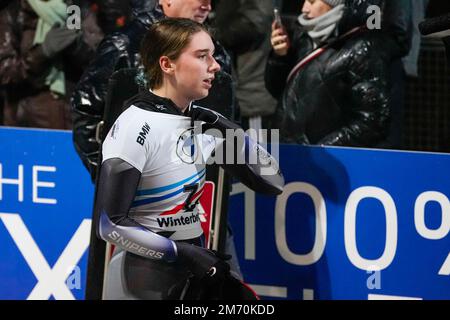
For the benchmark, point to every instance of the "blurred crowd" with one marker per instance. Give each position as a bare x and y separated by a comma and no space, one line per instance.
323,76
41,60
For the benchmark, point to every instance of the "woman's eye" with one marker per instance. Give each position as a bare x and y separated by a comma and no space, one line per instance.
203,56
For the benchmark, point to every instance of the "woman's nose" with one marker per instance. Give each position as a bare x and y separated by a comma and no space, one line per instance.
306,7
215,67
206,5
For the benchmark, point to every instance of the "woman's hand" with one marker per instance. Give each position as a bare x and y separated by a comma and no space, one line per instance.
279,40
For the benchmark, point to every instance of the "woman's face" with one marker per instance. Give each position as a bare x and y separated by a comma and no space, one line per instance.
195,68
315,8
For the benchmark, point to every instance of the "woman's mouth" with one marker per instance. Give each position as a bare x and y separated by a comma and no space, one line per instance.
208,82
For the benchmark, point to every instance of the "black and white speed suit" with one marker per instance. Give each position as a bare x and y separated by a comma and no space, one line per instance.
151,179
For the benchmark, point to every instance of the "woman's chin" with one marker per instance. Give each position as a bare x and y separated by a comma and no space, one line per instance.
203,94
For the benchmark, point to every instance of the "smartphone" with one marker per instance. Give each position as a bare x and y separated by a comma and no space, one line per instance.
277,17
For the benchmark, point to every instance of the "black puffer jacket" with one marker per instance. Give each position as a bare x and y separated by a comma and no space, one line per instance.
339,98
118,50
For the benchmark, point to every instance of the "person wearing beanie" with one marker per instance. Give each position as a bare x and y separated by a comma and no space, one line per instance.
330,76
334,3
320,18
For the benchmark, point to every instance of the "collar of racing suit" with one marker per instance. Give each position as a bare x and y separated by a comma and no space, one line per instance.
149,101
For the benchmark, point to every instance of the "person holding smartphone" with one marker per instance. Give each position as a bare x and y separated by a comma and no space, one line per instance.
330,76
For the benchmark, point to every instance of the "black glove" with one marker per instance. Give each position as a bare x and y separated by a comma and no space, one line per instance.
206,265
58,39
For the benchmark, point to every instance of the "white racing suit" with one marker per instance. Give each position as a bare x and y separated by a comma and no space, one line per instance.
151,179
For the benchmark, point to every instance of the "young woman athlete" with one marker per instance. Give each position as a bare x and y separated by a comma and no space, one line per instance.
153,171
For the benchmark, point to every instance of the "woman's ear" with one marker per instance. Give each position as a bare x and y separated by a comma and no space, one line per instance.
166,65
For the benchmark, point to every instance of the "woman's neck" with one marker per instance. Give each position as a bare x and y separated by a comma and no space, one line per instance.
169,92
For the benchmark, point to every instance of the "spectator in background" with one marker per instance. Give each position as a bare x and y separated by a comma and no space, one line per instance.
35,46
243,27
338,93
